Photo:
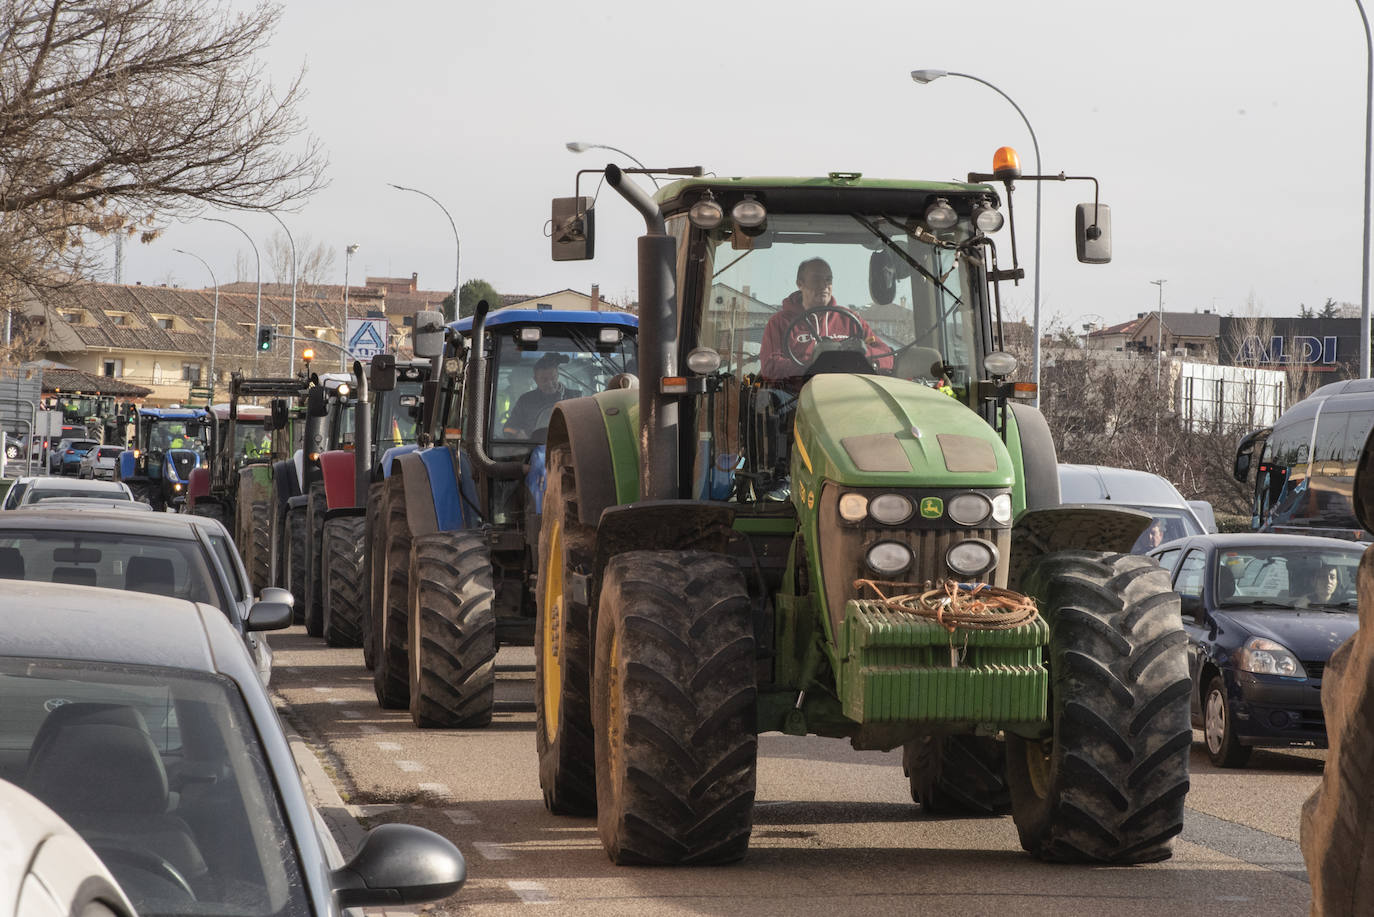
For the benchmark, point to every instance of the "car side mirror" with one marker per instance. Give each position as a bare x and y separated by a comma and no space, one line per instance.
429,334
882,278
277,594
1092,225
1191,607
399,864
268,615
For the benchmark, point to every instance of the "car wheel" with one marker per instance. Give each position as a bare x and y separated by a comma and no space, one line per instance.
1218,728
11,451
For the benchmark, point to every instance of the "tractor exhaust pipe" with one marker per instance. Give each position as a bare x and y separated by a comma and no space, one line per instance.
362,434
658,357
475,428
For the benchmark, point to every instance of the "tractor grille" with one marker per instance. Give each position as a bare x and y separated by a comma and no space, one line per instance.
184,460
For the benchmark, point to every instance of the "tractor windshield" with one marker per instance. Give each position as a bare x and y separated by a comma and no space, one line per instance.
568,362
398,415
178,434
862,293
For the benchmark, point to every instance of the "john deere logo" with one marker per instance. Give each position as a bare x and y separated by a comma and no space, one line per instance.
932,507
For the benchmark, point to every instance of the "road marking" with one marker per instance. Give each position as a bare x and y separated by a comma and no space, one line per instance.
366,729
492,850
436,789
531,892
410,767
1251,845
461,816
389,746
352,714
337,700
323,690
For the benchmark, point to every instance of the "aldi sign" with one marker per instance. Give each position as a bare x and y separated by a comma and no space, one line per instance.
367,337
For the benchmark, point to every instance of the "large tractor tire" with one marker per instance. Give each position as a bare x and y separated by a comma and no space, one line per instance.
958,774
1109,785
295,560
374,563
344,545
390,671
143,491
313,577
562,659
210,509
673,709
452,641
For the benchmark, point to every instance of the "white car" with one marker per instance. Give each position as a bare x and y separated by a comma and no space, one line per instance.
99,462
56,488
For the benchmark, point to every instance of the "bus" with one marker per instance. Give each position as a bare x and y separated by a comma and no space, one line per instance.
1305,473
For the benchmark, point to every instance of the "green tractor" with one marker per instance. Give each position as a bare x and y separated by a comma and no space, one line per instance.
826,510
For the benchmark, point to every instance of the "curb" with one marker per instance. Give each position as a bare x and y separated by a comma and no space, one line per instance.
337,815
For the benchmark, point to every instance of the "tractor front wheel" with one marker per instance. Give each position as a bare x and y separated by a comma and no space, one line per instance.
343,543
374,563
1108,785
673,709
958,774
452,631
295,561
390,680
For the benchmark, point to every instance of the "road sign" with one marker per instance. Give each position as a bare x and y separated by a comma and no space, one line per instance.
20,389
367,337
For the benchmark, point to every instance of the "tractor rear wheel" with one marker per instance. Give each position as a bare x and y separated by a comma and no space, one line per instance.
343,545
958,774
673,709
452,631
295,560
314,555
562,658
142,491
374,562
210,509
1109,784
390,678
260,533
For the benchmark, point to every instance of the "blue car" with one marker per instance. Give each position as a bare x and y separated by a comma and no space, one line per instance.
1263,614
66,457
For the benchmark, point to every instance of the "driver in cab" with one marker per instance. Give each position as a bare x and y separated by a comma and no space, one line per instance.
809,315
524,417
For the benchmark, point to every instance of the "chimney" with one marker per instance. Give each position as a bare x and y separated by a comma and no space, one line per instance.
596,297
414,281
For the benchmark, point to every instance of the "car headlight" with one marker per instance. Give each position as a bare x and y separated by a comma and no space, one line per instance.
889,558
971,557
853,507
969,509
890,509
1265,657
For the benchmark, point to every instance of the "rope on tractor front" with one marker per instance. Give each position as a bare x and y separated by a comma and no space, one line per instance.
952,604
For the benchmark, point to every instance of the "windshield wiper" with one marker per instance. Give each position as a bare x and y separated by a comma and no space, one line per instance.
1254,603
915,265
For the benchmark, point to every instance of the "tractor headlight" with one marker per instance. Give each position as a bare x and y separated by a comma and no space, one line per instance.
940,215
986,217
176,488
890,509
971,557
969,509
888,558
749,215
853,507
1001,509
706,214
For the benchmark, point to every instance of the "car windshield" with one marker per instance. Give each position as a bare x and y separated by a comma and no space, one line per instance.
1168,524
115,560
1290,576
162,772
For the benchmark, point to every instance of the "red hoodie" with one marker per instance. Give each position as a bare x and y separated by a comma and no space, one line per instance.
776,364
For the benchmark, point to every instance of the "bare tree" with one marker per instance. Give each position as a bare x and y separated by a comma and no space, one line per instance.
119,114
314,262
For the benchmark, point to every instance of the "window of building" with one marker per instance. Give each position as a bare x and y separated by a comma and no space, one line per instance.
113,369
190,372
75,317
166,324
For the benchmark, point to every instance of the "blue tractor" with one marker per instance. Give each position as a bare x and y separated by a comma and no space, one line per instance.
458,523
167,445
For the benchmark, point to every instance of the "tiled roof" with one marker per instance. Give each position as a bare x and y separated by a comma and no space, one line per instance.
71,380
1193,324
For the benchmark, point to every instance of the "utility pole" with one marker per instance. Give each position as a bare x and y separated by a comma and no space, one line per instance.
1159,350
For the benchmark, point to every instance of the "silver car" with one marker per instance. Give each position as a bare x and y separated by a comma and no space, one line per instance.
99,462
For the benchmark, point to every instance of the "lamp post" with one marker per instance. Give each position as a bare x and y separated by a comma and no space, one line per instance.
343,338
577,146
292,241
1159,350
214,322
457,244
1368,122
927,76
258,261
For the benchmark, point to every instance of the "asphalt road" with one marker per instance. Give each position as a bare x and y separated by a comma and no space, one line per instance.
835,831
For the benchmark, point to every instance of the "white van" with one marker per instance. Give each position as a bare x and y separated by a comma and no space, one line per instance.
1174,516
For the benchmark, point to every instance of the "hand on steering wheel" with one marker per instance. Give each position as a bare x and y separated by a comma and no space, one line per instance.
812,318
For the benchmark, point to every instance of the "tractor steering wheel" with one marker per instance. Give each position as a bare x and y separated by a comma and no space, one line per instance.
812,319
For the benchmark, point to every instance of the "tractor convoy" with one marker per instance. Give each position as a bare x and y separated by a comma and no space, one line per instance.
799,492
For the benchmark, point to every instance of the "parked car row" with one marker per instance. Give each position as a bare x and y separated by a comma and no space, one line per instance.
138,744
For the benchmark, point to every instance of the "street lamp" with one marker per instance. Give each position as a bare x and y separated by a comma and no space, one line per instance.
349,250
576,146
927,76
214,322
457,245
1368,120
292,241
258,261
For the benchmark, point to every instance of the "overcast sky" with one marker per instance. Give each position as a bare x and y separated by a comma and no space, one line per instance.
1228,137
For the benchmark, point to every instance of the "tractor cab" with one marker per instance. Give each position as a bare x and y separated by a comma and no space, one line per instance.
168,444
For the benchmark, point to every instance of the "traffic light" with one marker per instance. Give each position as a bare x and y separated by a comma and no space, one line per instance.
264,337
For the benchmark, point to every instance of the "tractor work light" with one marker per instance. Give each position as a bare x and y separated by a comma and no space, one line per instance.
703,361
888,558
971,557
969,509
609,336
940,215
706,214
987,217
344,390
450,367
529,335
890,509
999,363
749,215
853,507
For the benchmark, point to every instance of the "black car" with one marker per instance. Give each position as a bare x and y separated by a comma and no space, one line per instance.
141,721
1263,614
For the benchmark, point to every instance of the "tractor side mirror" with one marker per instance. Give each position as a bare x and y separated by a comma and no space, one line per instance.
573,229
882,278
1092,229
429,334
382,373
